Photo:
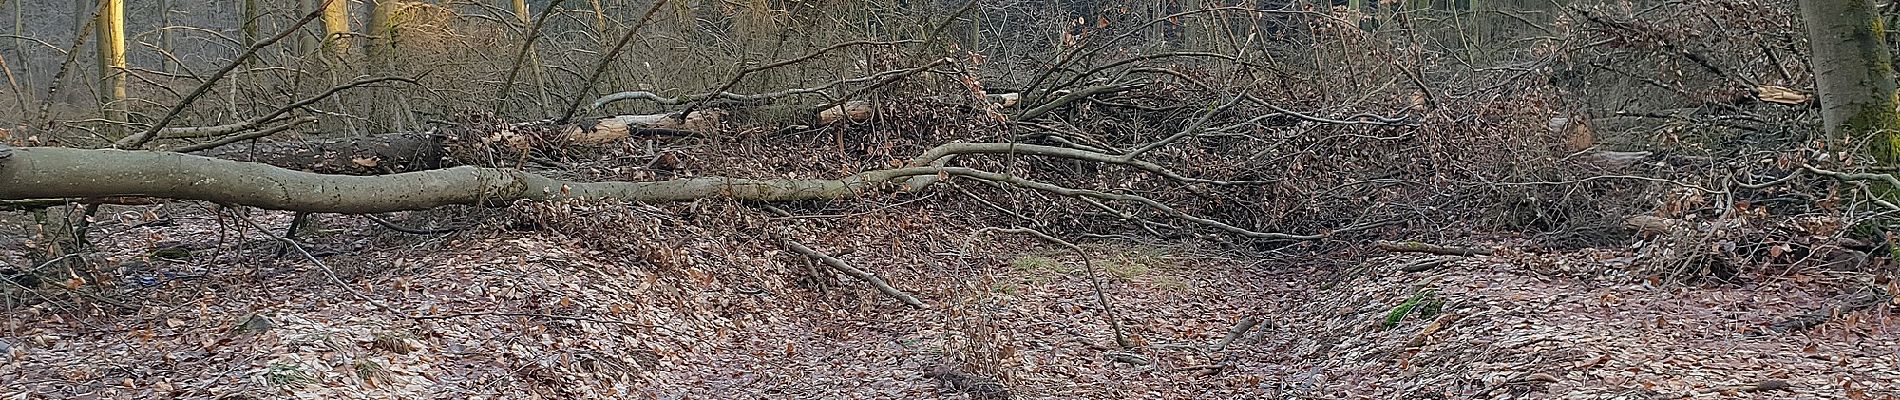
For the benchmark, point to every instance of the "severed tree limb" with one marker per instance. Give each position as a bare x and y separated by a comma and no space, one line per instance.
273,116
620,127
1856,178
221,130
53,172
1072,96
247,136
37,204
1240,329
1421,247
1425,264
863,275
942,154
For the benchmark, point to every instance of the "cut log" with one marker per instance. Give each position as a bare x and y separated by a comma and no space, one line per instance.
854,111
616,128
1651,225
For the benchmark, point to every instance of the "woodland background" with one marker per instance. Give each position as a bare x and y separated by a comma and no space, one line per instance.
1140,199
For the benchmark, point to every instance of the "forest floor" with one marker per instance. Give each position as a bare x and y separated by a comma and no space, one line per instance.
534,314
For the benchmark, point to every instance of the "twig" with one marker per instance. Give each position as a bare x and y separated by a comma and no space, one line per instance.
607,58
151,132
413,231
1421,247
863,275
327,272
239,138
1239,329
520,314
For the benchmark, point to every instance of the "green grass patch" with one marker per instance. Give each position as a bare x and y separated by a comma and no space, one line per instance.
1426,303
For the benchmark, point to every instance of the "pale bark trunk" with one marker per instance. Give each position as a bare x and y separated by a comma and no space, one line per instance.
52,172
389,108
336,28
111,47
1853,71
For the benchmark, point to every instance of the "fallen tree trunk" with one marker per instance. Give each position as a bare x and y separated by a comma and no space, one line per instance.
52,172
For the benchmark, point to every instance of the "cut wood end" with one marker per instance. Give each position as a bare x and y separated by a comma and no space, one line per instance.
854,111
1651,225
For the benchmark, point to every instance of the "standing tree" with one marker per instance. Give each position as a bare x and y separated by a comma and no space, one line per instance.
380,51
336,28
250,22
382,34
111,36
166,42
1853,73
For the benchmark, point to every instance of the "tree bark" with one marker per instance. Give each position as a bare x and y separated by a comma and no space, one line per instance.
166,42
250,23
53,172
1853,71
111,46
336,28
382,34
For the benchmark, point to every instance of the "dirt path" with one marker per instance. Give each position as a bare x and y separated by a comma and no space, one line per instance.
527,315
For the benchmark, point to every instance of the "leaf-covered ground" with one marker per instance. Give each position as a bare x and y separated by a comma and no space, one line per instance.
720,312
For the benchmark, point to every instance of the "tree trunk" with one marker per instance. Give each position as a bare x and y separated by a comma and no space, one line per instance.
336,28
534,58
54,172
1853,71
111,40
169,61
19,45
82,12
382,34
389,107
250,22
307,44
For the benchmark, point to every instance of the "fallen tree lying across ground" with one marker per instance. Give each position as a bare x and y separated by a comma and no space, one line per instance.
54,172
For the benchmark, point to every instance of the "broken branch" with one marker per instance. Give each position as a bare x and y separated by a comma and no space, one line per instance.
863,275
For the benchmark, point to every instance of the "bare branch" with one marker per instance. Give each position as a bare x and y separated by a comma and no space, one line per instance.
854,272
139,139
